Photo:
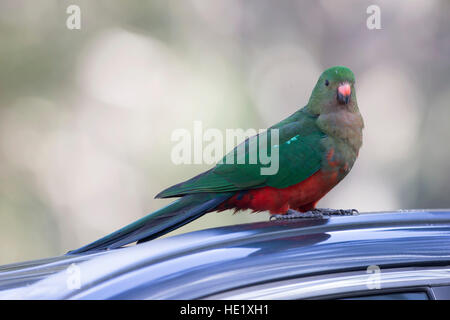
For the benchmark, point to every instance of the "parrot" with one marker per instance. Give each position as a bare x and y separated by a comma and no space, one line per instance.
317,147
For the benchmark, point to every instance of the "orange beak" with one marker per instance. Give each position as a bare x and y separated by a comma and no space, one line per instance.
344,93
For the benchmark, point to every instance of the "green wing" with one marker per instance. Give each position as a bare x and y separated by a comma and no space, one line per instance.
300,154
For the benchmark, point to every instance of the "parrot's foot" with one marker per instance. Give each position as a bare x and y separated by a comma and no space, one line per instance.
337,212
294,214
316,213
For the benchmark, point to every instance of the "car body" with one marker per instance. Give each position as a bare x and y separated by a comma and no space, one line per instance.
385,255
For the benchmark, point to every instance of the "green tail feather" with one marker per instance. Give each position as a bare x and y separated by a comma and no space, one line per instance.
160,222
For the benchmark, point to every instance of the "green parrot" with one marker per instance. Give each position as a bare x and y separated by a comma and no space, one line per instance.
317,147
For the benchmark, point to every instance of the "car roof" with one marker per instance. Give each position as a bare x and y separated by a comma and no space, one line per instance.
205,262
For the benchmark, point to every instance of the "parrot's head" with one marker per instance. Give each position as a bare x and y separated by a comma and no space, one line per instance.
334,91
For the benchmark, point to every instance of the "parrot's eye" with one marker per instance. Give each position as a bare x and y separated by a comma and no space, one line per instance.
327,82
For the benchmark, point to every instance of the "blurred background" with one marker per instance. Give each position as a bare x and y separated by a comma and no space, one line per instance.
86,115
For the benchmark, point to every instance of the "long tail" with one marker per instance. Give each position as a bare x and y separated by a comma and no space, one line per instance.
160,222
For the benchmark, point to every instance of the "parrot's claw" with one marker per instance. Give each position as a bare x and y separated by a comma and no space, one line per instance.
338,212
293,214
316,213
